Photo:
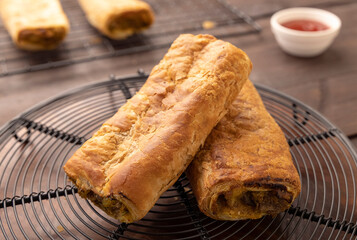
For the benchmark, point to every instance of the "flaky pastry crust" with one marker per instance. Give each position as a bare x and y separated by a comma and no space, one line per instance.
245,169
142,150
35,24
118,19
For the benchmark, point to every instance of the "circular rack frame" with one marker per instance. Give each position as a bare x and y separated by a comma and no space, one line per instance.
38,201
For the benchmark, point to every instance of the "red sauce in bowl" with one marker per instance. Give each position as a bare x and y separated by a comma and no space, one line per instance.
305,25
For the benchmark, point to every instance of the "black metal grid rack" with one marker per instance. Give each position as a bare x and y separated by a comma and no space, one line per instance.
84,43
38,201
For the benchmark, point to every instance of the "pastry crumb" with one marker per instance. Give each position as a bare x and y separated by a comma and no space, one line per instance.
208,24
96,40
60,228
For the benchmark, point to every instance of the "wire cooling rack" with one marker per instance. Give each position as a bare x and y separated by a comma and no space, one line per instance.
84,43
38,201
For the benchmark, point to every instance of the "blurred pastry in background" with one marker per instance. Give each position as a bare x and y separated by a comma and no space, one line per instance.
35,24
118,19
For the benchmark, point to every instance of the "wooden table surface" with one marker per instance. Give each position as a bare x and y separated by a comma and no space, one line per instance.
327,83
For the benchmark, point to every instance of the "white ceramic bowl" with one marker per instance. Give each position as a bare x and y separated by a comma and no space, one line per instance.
303,43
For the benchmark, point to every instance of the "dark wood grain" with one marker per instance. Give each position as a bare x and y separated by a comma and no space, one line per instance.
354,142
263,9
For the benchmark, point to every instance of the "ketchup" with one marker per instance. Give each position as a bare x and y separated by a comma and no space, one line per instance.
305,25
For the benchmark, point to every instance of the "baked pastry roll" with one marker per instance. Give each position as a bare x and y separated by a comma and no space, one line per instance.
34,24
245,169
118,19
143,149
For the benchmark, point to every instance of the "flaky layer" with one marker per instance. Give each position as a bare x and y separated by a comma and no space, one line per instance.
41,38
36,25
244,170
141,151
118,19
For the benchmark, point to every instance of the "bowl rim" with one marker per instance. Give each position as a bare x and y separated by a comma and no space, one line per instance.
308,11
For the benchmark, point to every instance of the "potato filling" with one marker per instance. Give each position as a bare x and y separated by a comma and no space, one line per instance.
130,20
269,202
111,206
48,37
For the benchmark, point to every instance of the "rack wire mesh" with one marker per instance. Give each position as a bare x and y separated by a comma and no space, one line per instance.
84,43
38,201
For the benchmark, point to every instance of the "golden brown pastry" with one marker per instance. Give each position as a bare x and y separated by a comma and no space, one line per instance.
118,19
244,170
142,150
34,24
